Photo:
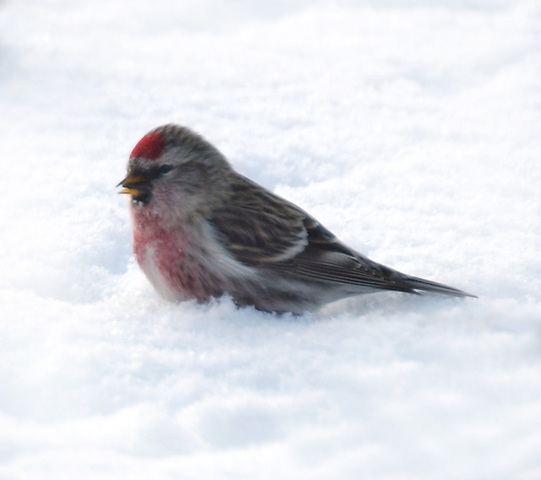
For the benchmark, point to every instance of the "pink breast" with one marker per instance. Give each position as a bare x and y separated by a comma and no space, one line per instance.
172,259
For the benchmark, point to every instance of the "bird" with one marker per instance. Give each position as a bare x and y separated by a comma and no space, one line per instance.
201,230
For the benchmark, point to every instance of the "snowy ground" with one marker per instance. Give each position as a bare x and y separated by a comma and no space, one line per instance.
410,129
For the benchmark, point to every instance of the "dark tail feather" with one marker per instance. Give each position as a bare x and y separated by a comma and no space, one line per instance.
416,283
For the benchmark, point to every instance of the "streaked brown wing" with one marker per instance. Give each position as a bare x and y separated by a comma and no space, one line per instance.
262,230
326,259
257,226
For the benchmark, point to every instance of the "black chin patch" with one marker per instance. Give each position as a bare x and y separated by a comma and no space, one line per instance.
142,197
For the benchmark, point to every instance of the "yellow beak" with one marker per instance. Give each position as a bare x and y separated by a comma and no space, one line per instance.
133,184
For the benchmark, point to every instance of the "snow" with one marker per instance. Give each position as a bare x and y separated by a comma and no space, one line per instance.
410,129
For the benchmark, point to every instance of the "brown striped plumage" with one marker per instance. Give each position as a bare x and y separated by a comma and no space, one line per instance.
202,230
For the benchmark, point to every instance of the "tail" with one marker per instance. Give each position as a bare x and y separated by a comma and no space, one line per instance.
412,284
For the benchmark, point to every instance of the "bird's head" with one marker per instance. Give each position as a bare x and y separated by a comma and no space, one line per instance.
174,169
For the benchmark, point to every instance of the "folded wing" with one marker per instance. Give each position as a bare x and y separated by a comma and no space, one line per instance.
266,232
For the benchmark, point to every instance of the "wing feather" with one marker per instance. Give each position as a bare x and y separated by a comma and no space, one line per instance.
274,236
258,227
265,231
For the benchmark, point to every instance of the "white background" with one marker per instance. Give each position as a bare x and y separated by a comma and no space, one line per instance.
412,130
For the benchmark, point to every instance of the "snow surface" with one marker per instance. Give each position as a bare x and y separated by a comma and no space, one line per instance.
410,129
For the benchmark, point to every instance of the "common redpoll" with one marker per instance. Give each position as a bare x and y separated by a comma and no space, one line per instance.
201,230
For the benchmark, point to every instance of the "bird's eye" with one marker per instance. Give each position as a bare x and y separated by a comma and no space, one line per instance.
165,169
